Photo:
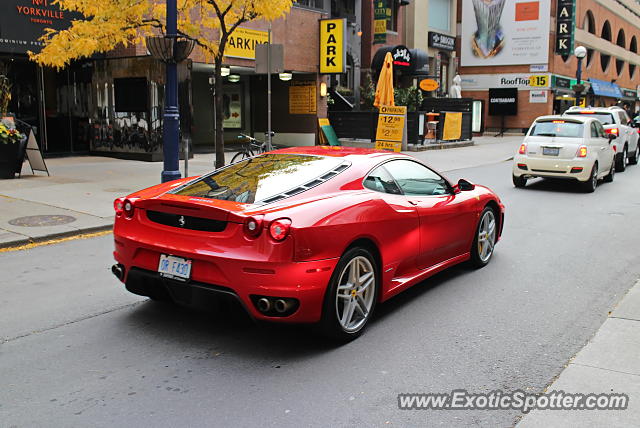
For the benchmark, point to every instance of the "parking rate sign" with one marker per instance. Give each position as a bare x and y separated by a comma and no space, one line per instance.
332,45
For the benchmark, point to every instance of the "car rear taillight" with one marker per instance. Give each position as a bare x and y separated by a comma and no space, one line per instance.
613,131
279,229
523,149
582,152
118,206
252,227
128,208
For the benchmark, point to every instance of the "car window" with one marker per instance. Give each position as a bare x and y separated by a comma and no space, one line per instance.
381,181
604,118
623,117
600,129
416,179
558,128
594,130
262,177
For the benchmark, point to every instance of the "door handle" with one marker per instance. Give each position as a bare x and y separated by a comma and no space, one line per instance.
413,202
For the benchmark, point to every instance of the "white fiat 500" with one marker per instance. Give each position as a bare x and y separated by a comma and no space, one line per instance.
574,148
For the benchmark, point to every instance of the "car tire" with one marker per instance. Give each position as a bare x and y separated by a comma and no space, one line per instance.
351,296
590,185
633,160
612,172
519,182
485,238
621,160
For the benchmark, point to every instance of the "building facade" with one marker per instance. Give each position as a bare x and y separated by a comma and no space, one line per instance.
505,45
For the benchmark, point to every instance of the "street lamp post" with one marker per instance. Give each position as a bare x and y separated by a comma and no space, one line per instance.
170,49
580,52
171,116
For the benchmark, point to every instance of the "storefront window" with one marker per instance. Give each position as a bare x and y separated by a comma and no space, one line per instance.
392,15
440,14
312,4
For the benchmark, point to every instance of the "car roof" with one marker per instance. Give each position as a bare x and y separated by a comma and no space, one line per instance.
601,109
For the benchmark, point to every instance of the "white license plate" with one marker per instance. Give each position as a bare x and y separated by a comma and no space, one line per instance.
174,267
551,151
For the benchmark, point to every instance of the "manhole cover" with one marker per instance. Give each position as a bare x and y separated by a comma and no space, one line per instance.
42,220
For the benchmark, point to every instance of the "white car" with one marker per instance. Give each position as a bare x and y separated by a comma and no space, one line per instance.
616,122
575,147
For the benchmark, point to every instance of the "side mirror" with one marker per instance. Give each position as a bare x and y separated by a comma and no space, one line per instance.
464,185
612,137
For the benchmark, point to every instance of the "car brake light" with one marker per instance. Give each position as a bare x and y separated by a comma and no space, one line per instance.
557,121
279,229
128,208
118,205
613,131
523,149
582,152
253,227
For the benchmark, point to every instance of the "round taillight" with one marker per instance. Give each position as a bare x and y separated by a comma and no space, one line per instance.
118,205
252,227
279,229
127,208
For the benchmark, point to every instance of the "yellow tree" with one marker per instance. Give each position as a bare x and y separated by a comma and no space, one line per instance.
110,23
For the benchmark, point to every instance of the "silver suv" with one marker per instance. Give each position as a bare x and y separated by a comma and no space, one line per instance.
615,122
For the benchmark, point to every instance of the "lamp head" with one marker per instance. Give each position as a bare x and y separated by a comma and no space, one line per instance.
580,52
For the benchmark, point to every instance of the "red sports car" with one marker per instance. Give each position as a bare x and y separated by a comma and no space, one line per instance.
305,234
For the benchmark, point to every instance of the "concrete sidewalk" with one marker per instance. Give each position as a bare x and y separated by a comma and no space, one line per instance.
609,363
78,196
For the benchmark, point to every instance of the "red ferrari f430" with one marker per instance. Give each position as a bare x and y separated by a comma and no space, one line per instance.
304,235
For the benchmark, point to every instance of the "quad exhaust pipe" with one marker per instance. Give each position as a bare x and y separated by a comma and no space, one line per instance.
118,271
264,305
281,306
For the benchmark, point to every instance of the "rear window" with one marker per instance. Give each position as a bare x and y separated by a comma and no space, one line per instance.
604,118
261,178
557,129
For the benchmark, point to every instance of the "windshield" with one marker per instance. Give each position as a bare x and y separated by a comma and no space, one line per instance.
604,118
259,178
557,129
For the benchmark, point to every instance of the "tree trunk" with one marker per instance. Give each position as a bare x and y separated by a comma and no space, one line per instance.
219,113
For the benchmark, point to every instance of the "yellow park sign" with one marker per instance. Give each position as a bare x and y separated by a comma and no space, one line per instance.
243,41
333,50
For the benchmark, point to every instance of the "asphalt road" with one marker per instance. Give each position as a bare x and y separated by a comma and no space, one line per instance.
77,350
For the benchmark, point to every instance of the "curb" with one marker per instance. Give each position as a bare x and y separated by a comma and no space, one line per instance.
41,239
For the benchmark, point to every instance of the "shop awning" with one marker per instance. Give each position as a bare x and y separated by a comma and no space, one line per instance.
605,89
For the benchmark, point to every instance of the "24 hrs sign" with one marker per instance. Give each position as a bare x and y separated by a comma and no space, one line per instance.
332,45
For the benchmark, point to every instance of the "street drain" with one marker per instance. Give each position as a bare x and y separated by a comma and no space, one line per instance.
42,220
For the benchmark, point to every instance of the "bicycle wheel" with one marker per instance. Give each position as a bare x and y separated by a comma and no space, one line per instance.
241,156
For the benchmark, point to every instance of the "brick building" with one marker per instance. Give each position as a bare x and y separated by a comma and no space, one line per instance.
521,55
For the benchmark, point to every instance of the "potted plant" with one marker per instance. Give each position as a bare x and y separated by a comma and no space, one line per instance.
10,143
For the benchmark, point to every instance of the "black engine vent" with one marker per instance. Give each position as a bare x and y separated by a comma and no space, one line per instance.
186,221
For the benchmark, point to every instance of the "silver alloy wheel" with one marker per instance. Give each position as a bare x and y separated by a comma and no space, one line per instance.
486,236
355,294
625,159
594,177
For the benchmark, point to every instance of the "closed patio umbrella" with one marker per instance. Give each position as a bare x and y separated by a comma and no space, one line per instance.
384,88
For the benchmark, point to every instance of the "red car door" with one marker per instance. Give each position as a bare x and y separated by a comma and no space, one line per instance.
447,220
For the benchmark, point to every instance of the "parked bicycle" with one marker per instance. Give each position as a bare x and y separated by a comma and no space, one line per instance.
252,147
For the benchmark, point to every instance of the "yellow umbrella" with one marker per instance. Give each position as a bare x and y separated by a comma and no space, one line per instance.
384,88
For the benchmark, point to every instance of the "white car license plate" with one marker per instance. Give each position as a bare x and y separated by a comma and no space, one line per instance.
174,267
551,151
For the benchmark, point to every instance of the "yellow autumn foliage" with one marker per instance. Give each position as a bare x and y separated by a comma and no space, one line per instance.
109,23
